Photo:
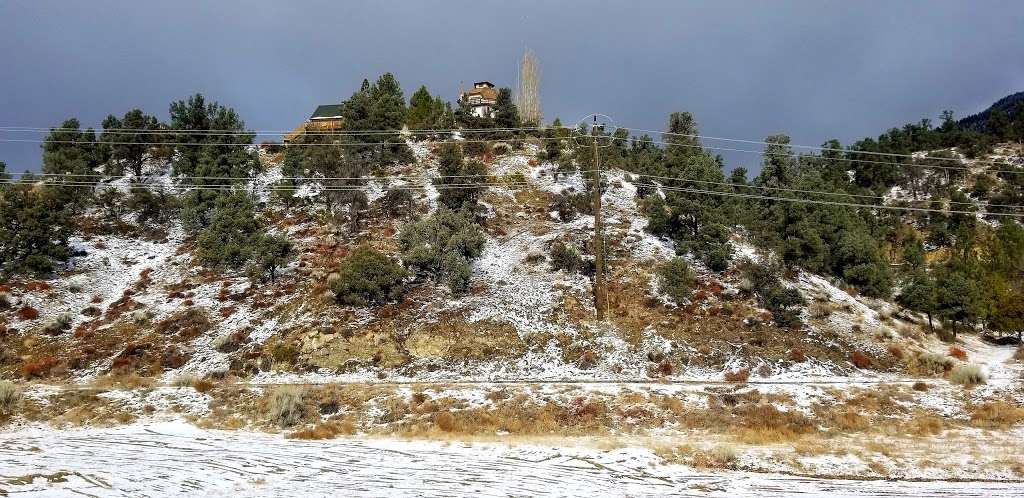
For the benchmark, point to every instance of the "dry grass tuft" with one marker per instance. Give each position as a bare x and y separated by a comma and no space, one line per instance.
445,421
924,425
764,424
122,381
896,351
967,375
285,406
929,364
184,380
997,415
848,420
202,385
329,429
920,386
10,396
820,310
718,457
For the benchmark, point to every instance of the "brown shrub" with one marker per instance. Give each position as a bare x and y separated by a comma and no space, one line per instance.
38,368
797,355
285,405
445,421
860,360
37,285
740,375
924,425
920,386
967,375
896,351
28,313
848,420
324,430
718,457
763,423
188,324
202,385
958,353
997,414
929,364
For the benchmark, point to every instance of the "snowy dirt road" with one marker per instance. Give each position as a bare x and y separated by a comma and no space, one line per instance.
174,459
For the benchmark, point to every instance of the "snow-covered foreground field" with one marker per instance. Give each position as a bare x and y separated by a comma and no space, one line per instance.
176,459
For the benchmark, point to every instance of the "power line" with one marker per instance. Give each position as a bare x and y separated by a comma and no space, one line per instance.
516,185
813,147
832,203
229,132
819,192
331,144
486,130
247,186
306,178
782,154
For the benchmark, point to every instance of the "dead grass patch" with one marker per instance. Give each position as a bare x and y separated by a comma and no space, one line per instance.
123,381
329,429
764,424
187,324
997,415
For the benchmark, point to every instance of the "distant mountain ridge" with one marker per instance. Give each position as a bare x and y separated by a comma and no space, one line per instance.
979,121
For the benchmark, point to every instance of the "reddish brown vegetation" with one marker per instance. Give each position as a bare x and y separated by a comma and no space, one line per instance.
37,285
28,313
896,351
39,367
958,353
860,360
740,375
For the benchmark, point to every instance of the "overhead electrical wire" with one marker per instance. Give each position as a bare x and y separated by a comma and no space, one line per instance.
818,192
832,203
812,147
229,132
199,144
425,186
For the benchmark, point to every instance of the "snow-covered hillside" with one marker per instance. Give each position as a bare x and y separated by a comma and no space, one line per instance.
135,330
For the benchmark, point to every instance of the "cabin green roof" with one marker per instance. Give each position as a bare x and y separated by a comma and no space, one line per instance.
327,111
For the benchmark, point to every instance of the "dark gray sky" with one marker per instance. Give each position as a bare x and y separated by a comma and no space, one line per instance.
813,69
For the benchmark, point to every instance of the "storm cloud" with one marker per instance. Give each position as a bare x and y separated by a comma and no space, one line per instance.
812,69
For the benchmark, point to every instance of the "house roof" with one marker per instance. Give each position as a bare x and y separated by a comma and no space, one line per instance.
485,93
487,84
327,111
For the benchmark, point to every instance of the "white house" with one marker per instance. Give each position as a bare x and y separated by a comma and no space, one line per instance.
481,99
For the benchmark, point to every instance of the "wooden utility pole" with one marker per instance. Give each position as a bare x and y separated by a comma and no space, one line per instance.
600,300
